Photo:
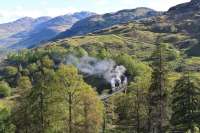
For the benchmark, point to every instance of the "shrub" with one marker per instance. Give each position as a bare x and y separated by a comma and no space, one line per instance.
5,89
10,71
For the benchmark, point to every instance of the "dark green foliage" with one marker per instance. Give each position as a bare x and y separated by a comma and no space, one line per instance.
164,27
131,111
40,74
79,52
5,123
194,50
158,117
51,97
125,114
186,104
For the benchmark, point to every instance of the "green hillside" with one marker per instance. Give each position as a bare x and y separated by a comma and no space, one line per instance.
132,45
133,77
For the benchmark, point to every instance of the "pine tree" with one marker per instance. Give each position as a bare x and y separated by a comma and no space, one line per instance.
158,92
130,110
186,104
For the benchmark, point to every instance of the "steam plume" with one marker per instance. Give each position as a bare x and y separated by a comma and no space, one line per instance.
105,68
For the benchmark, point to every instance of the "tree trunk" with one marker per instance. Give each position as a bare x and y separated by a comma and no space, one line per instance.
137,110
70,112
41,113
86,126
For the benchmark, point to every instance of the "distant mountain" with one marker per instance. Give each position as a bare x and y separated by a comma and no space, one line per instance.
99,22
185,17
28,32
185,8
67,20
180,26
19,25
49,29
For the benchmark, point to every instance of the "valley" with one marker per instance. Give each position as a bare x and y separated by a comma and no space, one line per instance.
134,70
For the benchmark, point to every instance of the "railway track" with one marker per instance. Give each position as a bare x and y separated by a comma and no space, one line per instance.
106,97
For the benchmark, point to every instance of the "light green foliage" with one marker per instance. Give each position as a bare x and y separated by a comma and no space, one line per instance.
24,83
90,110
53,98
172,77
46,62
192,63
134,67
100,39
32,68
19,57
103,53
5,89
41,108
10,71
79,52
56,51
83,105
44,105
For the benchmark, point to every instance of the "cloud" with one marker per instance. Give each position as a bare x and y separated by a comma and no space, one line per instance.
44,2
1,15
47,7
19,12
59,11
101,2
164,5
115,5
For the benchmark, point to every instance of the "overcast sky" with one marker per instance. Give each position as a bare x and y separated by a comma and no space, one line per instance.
13,9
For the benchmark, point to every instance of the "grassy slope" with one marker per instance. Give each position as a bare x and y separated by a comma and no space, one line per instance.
134,39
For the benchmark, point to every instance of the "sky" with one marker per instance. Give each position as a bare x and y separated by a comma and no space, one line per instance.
11,10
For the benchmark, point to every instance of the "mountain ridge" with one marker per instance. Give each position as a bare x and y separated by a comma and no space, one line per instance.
182,18
23,37
98,22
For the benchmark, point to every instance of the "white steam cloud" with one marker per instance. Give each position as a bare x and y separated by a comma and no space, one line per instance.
105,68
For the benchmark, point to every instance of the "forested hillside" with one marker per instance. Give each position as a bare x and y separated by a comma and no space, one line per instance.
134,77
